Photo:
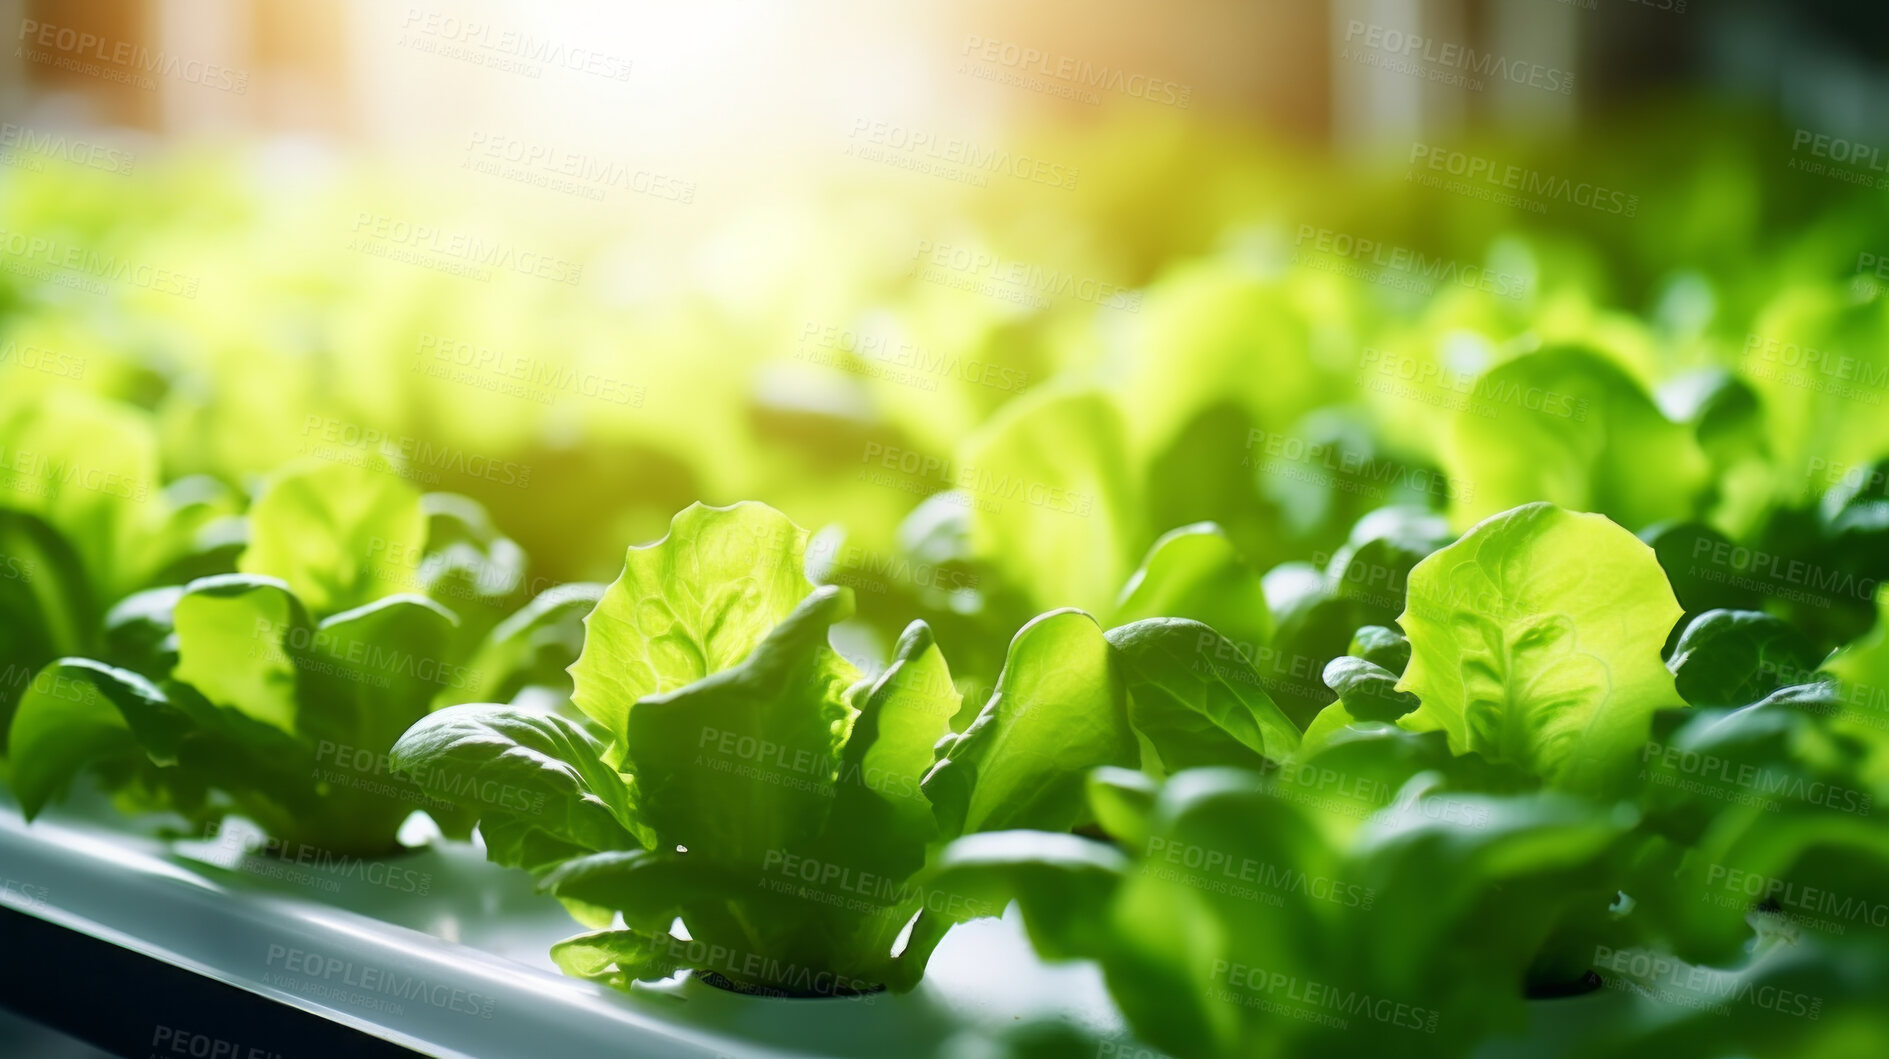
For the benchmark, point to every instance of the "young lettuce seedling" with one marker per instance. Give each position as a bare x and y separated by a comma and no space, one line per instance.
731,770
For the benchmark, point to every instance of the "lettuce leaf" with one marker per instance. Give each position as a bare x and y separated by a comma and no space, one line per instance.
688,606
1535,639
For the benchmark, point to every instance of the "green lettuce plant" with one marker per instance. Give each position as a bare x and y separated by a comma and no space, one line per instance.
735,773
274,691
725,754
86,520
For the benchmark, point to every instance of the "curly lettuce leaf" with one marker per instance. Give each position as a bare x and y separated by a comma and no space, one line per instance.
781,907
1535,639
743,762
693,604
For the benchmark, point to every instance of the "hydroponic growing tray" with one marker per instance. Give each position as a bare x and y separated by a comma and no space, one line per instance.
209,948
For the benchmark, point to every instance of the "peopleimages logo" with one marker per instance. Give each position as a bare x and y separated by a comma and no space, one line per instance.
18,568
561,169
1524,181
1077,74
864,891
58,145
378,234
1767,571
1410,262
1837,149
71,48
980,483
1842,367
989,273
32,472
1812,904
23,894
968,156
511,50
1295,997
360,657
1345,469
1221,865
446,785
81,262
333,866
1452,56
40,359
334,439
176,1040
377,983
822,345
1477,392
1677,982
1693,770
